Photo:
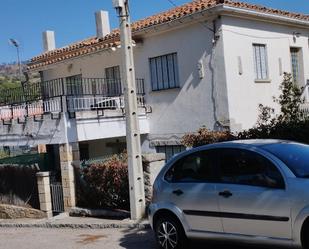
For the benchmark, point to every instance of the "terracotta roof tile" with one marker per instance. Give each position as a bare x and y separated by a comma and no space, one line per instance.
112,40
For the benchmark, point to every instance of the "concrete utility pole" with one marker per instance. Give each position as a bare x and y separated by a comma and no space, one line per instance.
135,167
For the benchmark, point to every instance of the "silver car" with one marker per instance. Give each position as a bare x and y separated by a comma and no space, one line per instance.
254,191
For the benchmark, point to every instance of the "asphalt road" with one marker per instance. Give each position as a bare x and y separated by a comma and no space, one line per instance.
34,238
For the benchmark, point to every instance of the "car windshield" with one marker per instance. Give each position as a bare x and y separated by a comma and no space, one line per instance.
294,155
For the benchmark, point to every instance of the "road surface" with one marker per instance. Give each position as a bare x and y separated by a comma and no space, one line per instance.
39,238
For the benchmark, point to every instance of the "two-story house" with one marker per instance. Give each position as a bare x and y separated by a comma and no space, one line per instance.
206,63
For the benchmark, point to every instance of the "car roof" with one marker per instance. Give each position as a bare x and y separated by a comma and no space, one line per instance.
244,144
247,143
259,142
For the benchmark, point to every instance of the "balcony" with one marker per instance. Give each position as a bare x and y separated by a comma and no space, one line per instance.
65,95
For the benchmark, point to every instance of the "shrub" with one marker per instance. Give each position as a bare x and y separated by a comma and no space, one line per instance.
295,131
205,136
106,184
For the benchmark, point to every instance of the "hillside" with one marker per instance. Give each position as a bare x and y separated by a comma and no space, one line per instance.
9,75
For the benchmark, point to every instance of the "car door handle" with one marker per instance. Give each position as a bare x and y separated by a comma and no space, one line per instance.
178,192
225,194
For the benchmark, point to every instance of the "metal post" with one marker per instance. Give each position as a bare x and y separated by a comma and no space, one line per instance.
16,45
135,167
19,64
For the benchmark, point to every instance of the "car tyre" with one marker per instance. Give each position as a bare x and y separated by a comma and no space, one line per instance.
170,233
305,237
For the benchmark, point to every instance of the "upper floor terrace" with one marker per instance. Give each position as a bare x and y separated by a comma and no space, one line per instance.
71,95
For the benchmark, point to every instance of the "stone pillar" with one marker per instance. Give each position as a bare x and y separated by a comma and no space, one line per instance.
69,156
44,193
152,164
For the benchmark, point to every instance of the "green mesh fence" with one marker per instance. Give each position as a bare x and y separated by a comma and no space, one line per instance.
42,160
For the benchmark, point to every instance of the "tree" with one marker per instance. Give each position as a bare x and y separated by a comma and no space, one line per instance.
290,101
290,123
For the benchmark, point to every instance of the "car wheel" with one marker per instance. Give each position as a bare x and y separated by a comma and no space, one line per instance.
170,234
305,237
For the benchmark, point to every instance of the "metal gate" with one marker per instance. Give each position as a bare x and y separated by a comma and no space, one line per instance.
56,190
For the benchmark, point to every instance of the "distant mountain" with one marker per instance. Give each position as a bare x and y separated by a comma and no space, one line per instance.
9,75
11,70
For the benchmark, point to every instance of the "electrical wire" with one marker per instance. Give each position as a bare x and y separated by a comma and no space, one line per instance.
201,23
172,3
255,36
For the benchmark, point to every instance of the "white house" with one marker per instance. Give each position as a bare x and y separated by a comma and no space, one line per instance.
206,63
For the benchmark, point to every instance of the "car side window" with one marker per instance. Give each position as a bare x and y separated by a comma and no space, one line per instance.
196,167
244,167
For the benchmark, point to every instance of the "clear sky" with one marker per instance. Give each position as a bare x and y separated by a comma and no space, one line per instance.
73,20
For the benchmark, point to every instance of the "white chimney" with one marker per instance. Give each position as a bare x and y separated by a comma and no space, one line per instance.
49,42
102,22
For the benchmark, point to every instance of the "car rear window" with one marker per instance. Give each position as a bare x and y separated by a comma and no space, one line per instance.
294,155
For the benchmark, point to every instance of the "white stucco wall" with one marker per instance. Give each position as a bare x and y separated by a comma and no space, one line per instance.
105,147
33,133
186,109
244,94
174,111
90,66
93,129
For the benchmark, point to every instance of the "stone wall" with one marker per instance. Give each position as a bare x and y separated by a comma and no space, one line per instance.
69,156
44,193
15,212
152,164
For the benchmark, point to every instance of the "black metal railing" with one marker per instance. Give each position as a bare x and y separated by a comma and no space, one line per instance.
80,93
94,86
66,87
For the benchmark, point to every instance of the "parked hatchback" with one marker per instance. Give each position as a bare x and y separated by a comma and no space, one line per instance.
253,191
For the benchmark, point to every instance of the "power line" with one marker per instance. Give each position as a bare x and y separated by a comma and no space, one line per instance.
201,23
172,3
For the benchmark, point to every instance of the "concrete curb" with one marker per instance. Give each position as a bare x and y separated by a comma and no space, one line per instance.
76,226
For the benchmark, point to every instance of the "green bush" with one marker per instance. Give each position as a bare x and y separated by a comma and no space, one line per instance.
295,131
105,185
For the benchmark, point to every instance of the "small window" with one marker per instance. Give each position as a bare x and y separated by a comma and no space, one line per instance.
196,167
295,55
248,168
113,82
170,150
260,62
164,72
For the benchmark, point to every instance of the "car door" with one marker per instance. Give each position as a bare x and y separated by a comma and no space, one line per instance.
252,195
192,189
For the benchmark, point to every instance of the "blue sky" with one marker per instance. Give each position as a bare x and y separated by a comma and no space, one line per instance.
73,20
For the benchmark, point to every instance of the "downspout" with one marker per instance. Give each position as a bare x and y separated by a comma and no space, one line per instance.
212,69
